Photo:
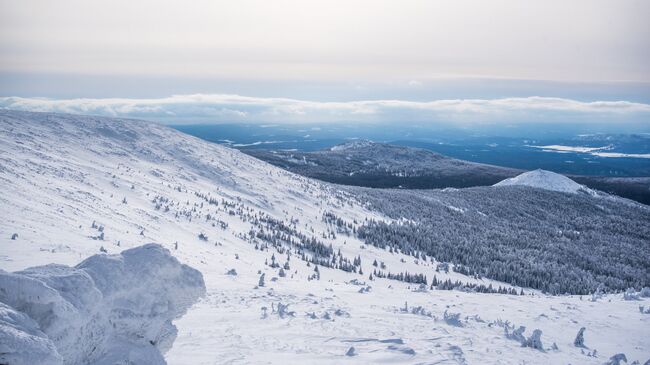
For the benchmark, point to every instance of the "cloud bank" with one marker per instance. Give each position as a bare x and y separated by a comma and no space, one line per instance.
223,108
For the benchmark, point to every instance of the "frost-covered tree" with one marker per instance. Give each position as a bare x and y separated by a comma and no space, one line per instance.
516,245
261,281
516,335
351,352
616,359
580,338
535,340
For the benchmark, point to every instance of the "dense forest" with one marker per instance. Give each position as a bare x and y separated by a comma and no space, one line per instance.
556,242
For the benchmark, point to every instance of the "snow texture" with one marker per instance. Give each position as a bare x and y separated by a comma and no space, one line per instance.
547,180
64,180
108,309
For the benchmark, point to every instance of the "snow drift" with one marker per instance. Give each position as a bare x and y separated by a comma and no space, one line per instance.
547,180
108,309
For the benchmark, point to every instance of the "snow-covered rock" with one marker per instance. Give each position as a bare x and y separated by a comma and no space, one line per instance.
547,180
22,342
108,309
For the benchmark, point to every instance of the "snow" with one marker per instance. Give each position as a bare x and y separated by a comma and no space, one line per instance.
22,342
547,180
107,309
560,148
594,151
60,173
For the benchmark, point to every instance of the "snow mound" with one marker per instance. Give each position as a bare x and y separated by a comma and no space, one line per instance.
22,342
108,309
547,180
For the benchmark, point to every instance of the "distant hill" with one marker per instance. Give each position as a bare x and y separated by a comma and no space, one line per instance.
380,165
547,180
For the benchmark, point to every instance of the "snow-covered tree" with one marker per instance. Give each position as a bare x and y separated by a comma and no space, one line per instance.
580,338
261,281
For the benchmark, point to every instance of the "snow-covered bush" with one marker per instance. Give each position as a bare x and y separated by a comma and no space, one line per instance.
580,338
351,352
631,294
452,319
645,292
616,359
108,309
283,310
516,335
534,341
341,313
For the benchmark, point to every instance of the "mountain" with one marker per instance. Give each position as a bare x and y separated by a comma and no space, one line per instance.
380,165
286,260
547,180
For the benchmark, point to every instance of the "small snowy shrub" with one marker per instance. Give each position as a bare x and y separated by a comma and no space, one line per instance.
580,338
351,352
516,335
452,319
534,341
631,294
616,359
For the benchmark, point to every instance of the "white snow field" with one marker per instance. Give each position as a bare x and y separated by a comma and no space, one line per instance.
75,186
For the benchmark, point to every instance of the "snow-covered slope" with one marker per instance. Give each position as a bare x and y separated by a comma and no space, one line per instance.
547,180
73,186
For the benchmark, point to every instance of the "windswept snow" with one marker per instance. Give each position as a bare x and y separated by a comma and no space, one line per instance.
547,180
74,186
109,309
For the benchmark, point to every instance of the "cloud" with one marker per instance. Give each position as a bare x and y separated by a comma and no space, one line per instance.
224,108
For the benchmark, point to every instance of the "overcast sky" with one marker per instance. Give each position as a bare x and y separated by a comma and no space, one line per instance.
333,51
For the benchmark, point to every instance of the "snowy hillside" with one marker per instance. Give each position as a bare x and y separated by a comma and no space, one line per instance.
287,279
547,180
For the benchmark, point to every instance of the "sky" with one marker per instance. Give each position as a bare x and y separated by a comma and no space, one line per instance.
375,60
